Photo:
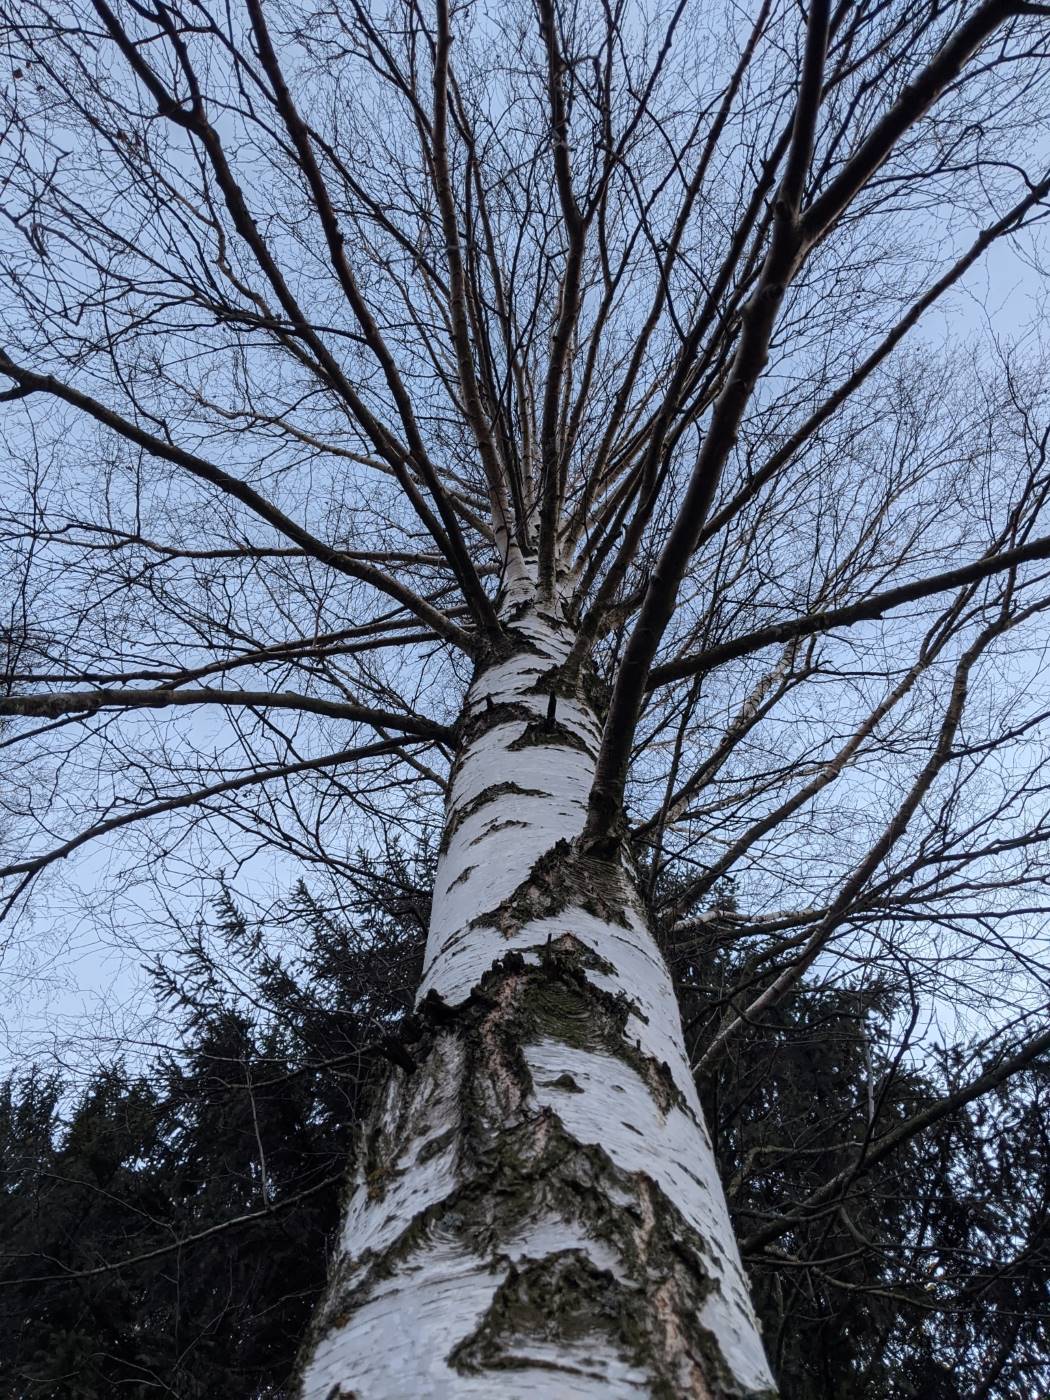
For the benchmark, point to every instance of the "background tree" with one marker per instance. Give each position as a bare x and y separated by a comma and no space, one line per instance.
531,411
222,1165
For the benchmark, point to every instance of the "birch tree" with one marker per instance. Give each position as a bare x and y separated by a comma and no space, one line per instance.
542,416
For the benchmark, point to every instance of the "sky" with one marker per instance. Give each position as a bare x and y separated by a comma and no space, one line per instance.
77,975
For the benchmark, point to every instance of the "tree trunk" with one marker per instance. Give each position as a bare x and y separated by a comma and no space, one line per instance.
535,1209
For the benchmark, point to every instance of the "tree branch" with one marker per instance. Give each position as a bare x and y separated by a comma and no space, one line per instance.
35,864
241,491
896,1137
71,1274
867,610
91,701
756,328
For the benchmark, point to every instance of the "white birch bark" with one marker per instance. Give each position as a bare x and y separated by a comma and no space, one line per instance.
535,1210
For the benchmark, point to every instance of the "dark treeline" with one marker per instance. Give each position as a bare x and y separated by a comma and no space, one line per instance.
925,1275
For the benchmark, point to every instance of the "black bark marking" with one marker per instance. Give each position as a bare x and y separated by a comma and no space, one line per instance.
496,826
462,877
549,733
565,1081
476,804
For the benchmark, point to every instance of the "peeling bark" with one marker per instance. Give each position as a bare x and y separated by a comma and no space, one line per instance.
536,1211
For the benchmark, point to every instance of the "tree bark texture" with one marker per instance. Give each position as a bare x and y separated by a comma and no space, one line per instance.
535,1209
